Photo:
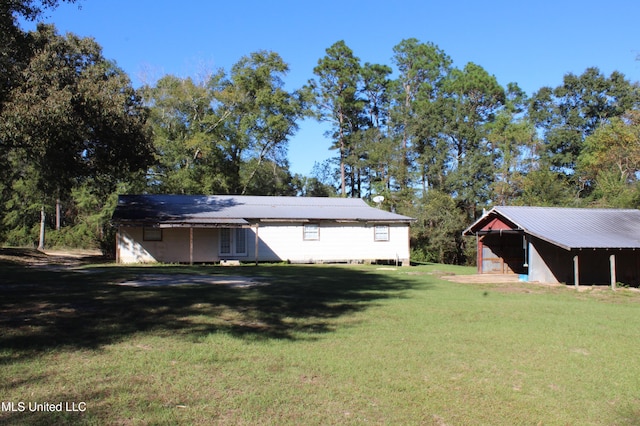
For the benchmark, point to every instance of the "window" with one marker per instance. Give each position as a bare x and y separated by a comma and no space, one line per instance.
241,241
381,233
233,241
151,234
225,241
311,232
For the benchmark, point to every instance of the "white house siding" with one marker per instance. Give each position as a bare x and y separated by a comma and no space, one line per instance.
174,247
129,248
337,243
277,242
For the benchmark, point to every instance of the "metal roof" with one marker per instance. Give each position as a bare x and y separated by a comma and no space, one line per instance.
237,209
571,228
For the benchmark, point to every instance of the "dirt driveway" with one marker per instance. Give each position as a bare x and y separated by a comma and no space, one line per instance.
65,259
33,257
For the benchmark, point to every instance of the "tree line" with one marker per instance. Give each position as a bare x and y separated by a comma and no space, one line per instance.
440,143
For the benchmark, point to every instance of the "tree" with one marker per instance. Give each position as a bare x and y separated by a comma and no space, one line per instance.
545,187
336,98
71,117
472,100
610,160
268,177
614,146
572,111
223,134
437,234
15,51
312,187
422,68
368,153
186,133
75,115
263,112
14,42
514,143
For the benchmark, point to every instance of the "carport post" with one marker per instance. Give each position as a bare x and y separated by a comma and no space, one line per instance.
576,271
257,243
612,263
479,247
191,245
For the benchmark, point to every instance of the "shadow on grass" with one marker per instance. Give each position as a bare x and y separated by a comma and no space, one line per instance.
45,308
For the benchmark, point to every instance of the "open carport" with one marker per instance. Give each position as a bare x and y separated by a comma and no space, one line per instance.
560,245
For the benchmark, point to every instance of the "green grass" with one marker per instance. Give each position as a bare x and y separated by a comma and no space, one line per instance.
318,345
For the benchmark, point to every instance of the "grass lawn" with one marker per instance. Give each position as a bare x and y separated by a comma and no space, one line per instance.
315,345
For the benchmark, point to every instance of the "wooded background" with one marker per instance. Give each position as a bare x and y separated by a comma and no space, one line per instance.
438,142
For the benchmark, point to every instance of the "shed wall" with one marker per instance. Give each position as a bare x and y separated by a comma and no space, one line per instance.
628,267
549,263
552,264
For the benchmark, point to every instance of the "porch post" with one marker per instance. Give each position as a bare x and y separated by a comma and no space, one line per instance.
612,263
191,245
576,271
479,246
256,243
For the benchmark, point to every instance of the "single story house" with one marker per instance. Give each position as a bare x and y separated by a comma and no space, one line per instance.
207,229
560,245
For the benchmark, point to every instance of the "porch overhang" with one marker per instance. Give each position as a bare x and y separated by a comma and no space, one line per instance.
189,223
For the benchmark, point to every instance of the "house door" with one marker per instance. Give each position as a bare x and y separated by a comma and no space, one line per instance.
233,242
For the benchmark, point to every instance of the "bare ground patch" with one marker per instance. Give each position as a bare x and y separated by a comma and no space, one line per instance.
504,283
482,278
33,257
510,283
165,280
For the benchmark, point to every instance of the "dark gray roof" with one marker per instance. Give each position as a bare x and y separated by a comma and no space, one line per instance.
237,209
572,228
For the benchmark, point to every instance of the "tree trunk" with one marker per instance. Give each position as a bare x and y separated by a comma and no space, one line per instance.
58,219
342,157
42,219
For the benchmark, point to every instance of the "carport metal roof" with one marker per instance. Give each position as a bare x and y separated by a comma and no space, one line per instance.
234,210
571,228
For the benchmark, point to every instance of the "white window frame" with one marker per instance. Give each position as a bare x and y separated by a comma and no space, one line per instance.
236,243
149,233
311,232
381,233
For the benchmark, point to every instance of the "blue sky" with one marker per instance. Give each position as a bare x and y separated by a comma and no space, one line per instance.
532,43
